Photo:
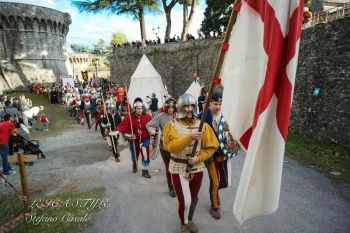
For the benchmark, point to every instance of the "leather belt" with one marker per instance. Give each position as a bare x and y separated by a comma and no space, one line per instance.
177,160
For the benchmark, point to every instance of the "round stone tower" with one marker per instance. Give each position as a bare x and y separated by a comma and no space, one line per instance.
32,45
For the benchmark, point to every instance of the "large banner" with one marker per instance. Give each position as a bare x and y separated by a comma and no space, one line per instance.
67,81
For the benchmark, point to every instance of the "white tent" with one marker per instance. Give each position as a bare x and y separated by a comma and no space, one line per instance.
145,81
195,90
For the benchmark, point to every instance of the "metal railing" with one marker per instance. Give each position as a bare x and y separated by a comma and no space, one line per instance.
334,13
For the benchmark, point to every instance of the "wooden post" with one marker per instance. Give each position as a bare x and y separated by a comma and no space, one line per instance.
24,181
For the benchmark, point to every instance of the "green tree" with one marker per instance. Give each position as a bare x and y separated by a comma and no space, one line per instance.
136,8
118,38
79,48
100,48
167,10
307,3
216,16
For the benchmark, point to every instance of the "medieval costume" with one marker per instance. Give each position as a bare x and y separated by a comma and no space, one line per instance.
178,138
109,124
219,167
53,95
138,136
159,121
86,111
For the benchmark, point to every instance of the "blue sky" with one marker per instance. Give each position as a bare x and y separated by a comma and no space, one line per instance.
87,29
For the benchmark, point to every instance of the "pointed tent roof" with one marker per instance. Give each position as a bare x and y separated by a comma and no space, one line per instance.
194,89
145,81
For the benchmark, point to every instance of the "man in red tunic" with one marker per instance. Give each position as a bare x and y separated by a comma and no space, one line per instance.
138,136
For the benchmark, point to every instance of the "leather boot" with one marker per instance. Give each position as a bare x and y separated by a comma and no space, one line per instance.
185,228
215,213
172,191
192,226
146,174
134,168
116,156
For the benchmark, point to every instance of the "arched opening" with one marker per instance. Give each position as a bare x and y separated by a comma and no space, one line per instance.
55,27
43,25
4,22
28,24
63,28
36,24
59,25
49,26
12,22
20,23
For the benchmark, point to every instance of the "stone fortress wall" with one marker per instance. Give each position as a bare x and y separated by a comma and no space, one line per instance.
324,63
32,45
79,62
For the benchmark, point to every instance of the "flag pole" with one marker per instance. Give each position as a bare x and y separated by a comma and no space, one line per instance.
132,130
216,77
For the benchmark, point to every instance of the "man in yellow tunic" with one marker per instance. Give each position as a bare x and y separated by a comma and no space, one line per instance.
178,138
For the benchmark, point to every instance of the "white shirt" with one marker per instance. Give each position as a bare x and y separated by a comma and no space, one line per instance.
32,112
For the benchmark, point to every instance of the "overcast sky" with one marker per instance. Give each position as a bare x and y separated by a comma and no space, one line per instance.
87,29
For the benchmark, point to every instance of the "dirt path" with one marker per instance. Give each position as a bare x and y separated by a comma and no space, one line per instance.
79,159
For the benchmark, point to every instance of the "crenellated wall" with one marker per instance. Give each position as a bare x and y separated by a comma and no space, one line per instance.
32,44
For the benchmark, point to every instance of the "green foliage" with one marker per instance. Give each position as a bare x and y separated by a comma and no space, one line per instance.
10,205
79,48
136,8
307,3
325,157
216,16
107,62
189,2
119,38
100,48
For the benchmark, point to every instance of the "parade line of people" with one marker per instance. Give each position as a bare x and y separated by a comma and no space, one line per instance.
100,104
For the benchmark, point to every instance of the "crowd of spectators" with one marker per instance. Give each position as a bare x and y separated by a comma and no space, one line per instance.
23,114
174,39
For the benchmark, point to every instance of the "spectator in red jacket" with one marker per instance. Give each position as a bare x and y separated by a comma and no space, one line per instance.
6,129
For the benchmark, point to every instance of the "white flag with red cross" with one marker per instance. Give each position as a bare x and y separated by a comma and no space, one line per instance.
258,78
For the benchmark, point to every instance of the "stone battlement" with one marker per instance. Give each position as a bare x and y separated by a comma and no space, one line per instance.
32,45
26,17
